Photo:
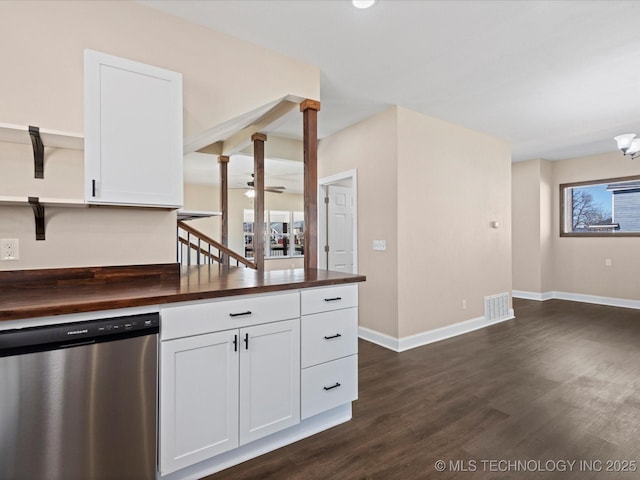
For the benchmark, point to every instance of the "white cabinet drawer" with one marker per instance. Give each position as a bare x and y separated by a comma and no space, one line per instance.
224,314
324,299
328,336
329,385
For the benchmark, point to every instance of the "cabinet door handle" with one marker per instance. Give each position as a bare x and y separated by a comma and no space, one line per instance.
248,312
235,343
246,341
337,335
332,299
93,188
332,386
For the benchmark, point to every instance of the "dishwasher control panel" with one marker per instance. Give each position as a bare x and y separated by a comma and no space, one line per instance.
20,340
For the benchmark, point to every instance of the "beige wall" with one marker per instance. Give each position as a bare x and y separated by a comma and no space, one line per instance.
525,214
281,148
547,209
569,264
580,262
223,77
371,147
433,205
452,183
42,81
205,198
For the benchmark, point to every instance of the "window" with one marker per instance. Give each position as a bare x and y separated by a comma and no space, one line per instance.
284,237
599,208
247,226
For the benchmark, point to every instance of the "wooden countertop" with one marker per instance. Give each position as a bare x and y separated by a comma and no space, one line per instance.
38,293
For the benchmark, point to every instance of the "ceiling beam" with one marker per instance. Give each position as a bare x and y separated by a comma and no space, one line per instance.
264,124
213,149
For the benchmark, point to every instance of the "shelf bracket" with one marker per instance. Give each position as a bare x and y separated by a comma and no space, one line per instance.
38,215
38,152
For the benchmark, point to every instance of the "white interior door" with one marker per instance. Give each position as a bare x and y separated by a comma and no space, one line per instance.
340,229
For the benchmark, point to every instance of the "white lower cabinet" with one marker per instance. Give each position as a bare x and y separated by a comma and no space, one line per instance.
328,385
198,398
225,389
329,348
269,379
234,371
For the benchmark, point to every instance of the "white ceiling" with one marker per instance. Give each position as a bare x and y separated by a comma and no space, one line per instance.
557,79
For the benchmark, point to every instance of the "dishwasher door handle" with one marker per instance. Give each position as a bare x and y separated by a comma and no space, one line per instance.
77,344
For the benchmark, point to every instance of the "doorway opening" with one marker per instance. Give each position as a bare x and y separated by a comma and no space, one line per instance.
337,222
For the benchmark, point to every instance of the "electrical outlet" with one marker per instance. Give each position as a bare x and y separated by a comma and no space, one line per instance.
9,249
607,262
464,304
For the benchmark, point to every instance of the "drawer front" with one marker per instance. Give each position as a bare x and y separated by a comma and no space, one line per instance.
224,314
316,300
329,385
328,336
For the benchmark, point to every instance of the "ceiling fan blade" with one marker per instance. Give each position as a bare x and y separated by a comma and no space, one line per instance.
273,191
267,187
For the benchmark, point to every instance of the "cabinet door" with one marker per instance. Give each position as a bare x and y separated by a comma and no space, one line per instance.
198,399
133,133
269,379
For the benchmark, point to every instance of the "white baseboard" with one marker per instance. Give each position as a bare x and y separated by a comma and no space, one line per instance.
382,339
541,297
578,297
430,336
610,301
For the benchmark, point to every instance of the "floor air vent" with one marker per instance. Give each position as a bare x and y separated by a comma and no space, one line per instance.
496,307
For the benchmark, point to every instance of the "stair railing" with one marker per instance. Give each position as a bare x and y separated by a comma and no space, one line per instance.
196,248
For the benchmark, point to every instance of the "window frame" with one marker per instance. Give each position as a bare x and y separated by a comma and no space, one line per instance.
563,208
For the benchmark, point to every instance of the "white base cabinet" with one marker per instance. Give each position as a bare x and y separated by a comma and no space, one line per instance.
269,379
225,389
236,375
328,385
329,348
199,398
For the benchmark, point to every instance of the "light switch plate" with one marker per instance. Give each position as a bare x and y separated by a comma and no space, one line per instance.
379,244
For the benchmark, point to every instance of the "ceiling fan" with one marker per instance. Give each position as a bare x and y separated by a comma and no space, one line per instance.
272,189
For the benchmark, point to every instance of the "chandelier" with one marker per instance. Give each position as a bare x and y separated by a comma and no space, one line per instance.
628,144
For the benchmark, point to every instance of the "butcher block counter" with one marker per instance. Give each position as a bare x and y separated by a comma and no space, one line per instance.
227,335
37,293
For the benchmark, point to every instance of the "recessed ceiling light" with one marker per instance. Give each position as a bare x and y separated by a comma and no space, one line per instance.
363,3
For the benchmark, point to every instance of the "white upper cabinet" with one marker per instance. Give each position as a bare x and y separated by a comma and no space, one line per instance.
133,133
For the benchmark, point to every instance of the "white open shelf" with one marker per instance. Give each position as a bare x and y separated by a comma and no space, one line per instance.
39,205
50,138
46,201
193,214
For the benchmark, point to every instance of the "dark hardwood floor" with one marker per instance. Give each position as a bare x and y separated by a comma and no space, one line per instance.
559,383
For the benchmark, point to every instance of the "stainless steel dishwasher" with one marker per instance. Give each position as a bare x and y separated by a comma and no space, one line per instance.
79,400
